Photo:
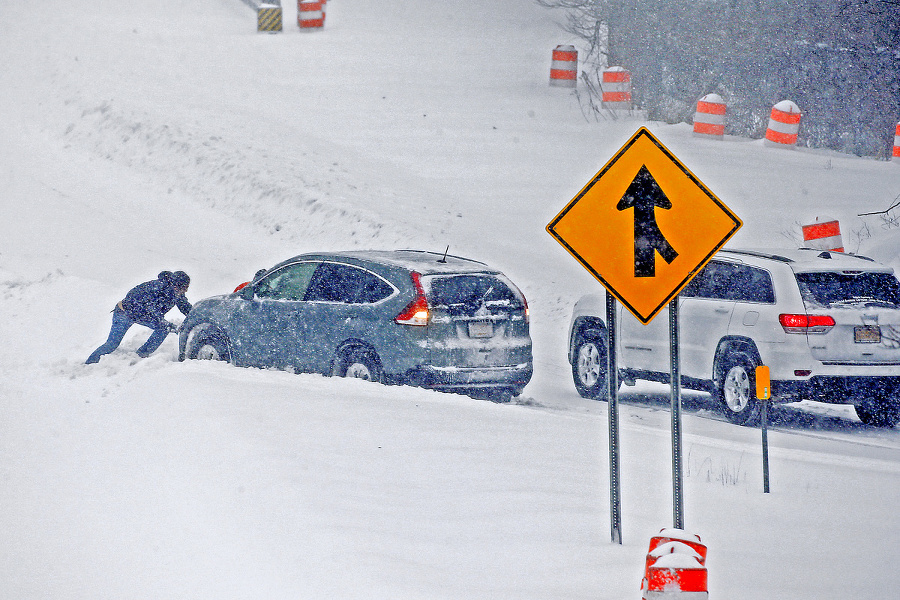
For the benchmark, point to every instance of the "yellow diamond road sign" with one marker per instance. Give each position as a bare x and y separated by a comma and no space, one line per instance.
644,225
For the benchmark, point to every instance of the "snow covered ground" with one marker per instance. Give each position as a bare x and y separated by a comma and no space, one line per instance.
137,137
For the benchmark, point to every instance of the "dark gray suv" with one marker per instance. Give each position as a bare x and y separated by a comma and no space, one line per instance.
405,316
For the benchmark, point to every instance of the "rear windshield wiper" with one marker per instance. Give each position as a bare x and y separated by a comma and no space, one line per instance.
865,301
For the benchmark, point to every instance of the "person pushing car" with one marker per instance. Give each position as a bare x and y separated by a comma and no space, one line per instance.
147,304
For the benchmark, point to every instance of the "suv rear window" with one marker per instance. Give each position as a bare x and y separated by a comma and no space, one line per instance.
467,292
849,288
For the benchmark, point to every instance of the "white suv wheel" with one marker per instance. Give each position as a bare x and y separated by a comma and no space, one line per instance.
737,391
736,388
588,364
589,367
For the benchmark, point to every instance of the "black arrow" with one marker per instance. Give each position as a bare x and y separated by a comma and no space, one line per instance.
644,195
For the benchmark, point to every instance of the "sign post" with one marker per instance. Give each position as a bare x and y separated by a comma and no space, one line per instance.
675,369
643,227
612,379
763,393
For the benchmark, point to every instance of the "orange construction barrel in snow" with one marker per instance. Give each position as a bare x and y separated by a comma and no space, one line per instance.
310,15
676,576
784,125
709,119
669,535
564,68
675,567
616,88
896,154
824,234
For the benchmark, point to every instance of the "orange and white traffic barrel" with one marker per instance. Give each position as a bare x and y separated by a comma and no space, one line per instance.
676,576
784,125
564,68
824,234
310,15
268,17
675,567
671,540
709,119
896,155
616,88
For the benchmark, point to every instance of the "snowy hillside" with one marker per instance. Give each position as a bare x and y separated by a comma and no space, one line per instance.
171,135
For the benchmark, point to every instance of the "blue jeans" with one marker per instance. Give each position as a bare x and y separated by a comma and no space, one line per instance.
121,323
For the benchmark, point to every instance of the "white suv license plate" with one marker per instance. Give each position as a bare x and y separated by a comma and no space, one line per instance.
481,329
867,334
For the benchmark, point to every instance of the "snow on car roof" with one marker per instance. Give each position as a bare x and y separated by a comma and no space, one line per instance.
426,263
810,259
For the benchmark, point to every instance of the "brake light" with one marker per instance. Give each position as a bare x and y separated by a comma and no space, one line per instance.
806,323
417,311
527,311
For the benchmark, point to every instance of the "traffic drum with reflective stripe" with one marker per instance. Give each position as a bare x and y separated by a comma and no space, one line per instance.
616,88
784,125
564,68
709,119
310,15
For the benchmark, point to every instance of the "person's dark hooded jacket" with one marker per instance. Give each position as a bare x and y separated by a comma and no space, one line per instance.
148,303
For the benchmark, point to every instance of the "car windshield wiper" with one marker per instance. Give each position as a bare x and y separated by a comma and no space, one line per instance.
865,301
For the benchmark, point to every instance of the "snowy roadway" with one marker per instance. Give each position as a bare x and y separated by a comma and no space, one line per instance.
170,135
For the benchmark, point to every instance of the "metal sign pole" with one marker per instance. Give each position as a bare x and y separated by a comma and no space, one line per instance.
765,444
763,394
677,491
612,378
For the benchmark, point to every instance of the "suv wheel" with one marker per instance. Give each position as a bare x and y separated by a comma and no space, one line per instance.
210,344
736,390
879,412
589,367
359,364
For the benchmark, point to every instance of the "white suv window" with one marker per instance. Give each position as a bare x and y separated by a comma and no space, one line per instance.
849,288
731,281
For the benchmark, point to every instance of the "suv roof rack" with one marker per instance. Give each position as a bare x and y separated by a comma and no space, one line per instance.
827,253
824,254
441,255
759,254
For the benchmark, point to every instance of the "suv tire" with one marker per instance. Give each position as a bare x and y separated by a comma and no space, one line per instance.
879,412
736,389
359,363
589,367
210,344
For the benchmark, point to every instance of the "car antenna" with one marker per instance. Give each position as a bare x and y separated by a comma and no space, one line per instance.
444,258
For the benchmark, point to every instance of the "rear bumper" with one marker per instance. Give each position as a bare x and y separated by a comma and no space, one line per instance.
461,378
838,390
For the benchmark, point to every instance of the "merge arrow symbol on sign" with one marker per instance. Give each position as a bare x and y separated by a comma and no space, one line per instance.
644,195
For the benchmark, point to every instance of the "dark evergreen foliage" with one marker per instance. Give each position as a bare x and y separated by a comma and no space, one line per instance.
838,60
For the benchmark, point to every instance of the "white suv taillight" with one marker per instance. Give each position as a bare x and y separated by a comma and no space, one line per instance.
417,311
806,323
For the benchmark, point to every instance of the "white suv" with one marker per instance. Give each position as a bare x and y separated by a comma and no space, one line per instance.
826,323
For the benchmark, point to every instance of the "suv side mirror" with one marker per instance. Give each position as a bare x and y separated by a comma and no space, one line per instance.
246,292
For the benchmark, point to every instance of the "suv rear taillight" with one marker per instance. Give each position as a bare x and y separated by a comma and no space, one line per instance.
806,323
526,313
417,311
